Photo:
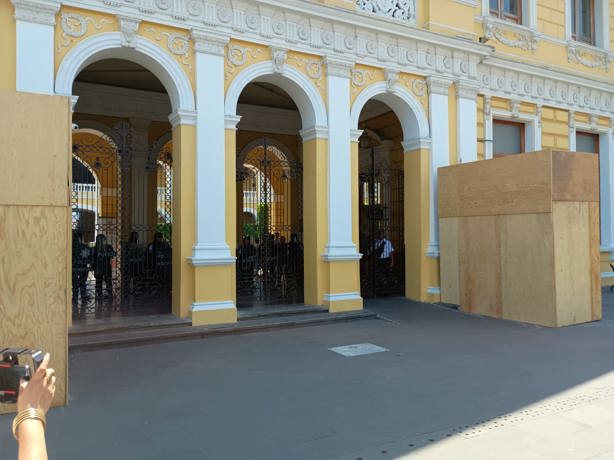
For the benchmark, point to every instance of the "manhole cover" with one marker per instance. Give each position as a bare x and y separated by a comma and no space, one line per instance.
358,349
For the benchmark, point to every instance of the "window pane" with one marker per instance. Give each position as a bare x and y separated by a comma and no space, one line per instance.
510,7
574,7
586,143
506,138
494,5
585,18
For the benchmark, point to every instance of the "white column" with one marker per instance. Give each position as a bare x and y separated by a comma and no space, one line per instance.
340,245
35,22
571,123
606,172
440,151
211,247
488,131
467,122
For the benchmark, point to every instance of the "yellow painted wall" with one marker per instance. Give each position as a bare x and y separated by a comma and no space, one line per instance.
481,133
551,18
555,128
7,46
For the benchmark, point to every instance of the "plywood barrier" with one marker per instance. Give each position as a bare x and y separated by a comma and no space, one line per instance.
35,216
519,237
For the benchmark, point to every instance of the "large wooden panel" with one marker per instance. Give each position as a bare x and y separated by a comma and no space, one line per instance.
480,268
34,243
448,261
516,184
527,261
35,133
595,255
572,262
575,177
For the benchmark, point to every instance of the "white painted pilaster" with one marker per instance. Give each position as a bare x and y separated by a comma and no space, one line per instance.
467,122
211,247
606,172
488,134
572,131
35,22
340,245
440,151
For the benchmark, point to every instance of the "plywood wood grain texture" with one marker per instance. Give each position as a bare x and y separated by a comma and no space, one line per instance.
531,257
35,240
448,243
34,136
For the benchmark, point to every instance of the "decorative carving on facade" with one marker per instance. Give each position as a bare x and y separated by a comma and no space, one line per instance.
128,27
510,35
391,77
404,10
279,57
515,108
538,114
312,67
209,44
75,25
360,77
487,106
438,85
571,121
337,68
592,120
176,42
592,58
236,56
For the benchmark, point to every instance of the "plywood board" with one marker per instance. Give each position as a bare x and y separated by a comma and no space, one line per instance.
527,261
35,133
575,176
448,261
480,269
572,262
34,243
595,260
516,184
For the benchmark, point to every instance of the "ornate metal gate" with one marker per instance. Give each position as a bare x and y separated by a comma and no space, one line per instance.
121,220
382,267
270,251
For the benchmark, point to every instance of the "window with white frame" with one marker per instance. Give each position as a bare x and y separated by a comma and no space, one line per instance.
588,22
521,12
508,137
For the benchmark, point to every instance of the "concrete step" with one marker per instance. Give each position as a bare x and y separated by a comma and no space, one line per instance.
145,335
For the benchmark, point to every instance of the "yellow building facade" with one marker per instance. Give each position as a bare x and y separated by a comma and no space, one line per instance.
312,126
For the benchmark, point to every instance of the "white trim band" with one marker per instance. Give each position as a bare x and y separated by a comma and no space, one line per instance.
213,306
341,297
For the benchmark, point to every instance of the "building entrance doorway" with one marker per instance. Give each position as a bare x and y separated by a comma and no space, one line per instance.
122,177
270,254
381,207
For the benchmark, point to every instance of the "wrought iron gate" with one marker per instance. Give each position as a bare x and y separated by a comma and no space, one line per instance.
382,267
270,251
121,220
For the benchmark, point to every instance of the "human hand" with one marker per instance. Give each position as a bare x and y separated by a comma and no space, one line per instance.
38,392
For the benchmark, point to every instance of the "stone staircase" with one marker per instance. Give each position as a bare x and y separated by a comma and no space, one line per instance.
165,329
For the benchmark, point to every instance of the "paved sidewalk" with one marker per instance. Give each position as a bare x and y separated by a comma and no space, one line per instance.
451,386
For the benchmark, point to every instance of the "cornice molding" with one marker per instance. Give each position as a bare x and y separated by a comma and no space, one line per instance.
182,117
37,11
315,132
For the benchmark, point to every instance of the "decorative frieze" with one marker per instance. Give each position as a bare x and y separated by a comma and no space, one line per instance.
361,78
311,66
438,85
338,68
209,44
404,10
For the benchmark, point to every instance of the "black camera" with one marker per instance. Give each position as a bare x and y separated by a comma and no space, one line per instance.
16,364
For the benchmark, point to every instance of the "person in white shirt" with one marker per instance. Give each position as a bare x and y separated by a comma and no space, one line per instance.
384,252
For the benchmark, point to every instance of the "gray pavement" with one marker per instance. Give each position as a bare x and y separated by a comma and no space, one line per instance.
451,386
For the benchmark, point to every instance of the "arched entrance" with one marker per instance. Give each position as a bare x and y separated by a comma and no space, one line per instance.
381,202
122,176
270,252
398,172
